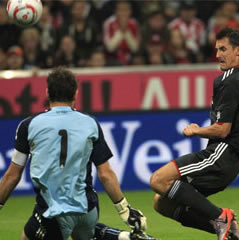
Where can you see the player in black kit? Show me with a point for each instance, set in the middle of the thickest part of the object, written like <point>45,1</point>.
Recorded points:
<point>183,184</point>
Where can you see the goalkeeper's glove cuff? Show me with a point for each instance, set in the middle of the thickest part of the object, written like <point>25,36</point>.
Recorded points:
<point>122,206</point>
<point>132,217</point>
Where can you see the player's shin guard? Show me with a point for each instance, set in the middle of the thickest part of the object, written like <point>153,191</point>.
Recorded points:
<point>190,218</point>
<point>184,194</point>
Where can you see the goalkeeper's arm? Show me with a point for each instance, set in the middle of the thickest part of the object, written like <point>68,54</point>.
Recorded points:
<point>12,176</point>
<point>132,217</point>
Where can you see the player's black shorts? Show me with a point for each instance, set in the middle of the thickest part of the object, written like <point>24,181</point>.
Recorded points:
<point>40,228</point>
<point>210,170</point>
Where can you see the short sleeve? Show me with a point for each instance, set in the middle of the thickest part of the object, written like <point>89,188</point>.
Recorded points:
<point>229,104</point>
<point>101,151</point>
<point>21,138</point>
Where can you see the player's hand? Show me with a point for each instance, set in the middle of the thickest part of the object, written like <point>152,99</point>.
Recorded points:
<point>190,130</point>
<point>132,217</point>
<point>136,219</point>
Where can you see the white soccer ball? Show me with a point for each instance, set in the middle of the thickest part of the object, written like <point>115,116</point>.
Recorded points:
<point>24,12</point>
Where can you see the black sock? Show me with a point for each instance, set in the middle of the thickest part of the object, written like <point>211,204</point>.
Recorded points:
<point>104,232</point>
<point>184,194</point>
<point>188,217</point>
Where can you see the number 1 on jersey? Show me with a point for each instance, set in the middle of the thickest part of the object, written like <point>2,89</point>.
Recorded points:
<point>63,155</point>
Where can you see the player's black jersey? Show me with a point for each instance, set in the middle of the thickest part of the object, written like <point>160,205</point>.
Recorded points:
<point>225,105</point>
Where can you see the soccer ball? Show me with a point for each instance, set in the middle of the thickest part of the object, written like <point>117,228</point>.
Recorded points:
<point>24,12</point>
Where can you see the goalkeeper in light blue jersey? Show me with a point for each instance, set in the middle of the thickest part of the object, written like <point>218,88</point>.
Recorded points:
<point>63,143</point>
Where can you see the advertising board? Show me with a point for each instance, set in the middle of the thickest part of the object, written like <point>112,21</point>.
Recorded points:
<point>115,91</point>
<point>141,142</point>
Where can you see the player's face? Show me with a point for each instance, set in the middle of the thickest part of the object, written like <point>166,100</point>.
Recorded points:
<point>227,56</point>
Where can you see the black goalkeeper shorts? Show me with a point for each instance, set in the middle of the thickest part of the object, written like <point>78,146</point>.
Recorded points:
<point>210,170</point>
<point>39,227</point>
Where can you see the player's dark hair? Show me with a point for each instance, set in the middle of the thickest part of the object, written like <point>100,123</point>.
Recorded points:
<point>231,33</point>
<point>117,3</point>
<point>62,85</point>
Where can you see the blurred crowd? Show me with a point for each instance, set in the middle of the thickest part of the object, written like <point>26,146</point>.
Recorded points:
<point>98,33</point>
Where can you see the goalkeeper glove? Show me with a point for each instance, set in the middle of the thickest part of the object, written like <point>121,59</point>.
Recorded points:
<point>132,217</point>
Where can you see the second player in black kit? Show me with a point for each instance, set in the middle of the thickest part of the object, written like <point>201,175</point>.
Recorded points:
<point>182,185</point>
<point>225,105</point>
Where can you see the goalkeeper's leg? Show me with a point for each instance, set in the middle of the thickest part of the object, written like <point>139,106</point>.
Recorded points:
<point>104,232</point>
<point>186,216</point>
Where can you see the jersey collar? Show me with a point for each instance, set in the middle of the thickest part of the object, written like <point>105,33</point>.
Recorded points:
<point>61,108</point>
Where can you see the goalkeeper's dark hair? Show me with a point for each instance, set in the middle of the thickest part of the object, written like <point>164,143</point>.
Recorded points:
<point>231,33</point>
<point>62,85</point>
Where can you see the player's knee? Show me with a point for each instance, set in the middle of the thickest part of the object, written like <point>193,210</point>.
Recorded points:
<point>156,202</point>
<point>157,183</point>
<point>162,179</point>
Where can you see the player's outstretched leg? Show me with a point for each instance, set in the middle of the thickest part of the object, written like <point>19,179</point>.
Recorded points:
<point>104,232</point>
<point>140,235</point>
<point>188,217</point>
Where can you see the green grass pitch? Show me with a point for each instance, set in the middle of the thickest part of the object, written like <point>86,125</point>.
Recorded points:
<point>17,210</point>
